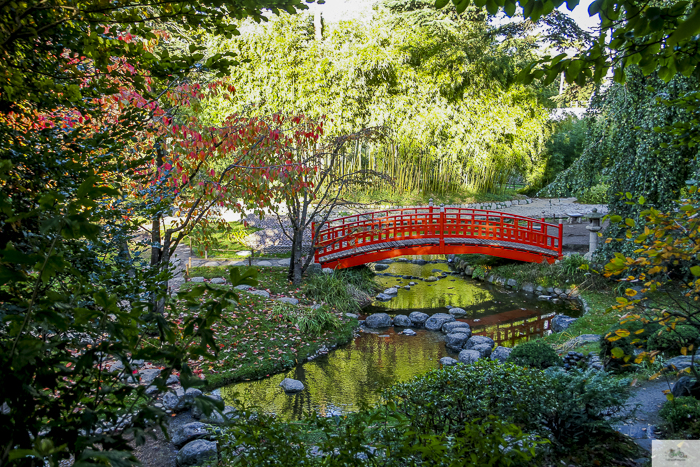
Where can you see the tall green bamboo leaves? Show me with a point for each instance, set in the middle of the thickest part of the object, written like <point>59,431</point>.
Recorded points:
<point>458,120</point>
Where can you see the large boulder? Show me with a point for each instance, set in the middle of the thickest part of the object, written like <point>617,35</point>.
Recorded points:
<point>478,340</point>
<point>682,362</point>
<point>198,452</point>
<point>147,376</point>
<point>435,322</point>
<point>196,413</point>
<point>418,318</point>
<point>292,385</point>
<point>469,356</point>
<point>378,320</point>
<point>457,326</point>
<point>190,432</point>
<point>402,320</point>
<point>683,387</point>
<point>561,322</point>
<point>458,312</point>
<point>501,353</point>
<point>382,297</point>
<point>483,349</point>
<point>528,287</point>
<point>456,340</point>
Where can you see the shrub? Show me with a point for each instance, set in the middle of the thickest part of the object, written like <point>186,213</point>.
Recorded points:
<point>628,335</point>
<point>535,354</point>
<point>444,400</point>
<point>308,320</point>
<point>673,340</point>
<point>682,415</point>
<point>597,194</point>
<point>585,404</point>
<point>377,437</point>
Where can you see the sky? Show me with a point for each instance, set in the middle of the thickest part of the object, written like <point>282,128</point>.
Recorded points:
<point>335,10</point>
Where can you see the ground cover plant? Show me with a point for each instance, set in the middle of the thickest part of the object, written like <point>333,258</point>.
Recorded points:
<point>681,417</point>
<point>535,354</point>
<point>259,336</point>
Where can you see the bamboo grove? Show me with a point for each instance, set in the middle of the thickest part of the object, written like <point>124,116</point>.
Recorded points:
<point>443,85</point>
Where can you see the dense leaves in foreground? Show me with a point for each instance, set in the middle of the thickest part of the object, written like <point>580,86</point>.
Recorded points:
<point>481,414</point>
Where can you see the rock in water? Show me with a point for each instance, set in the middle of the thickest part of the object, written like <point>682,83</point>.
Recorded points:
<point>382,297</point>
<point>483,349</point>
<point>190,432</point>
<point>478,340</point>
<point>292,385</point>
<point>378,320</point>
<point>435,322</point>
<point>431,279</point>
<point>457,326</point>
<point>561,322</point>
<point>448,361</point>
<point>402,320</point>
<point>198,452</point>
<point>469,356</point>
<point>456,341</point>
<point>391,291</point>
<point>409,332</point>
<point>501,353</point>
<point>458,312</point>
<point>418,318</point>
<point>381,267</point>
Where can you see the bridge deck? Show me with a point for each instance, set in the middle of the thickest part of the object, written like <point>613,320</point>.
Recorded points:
<point>368,237</point>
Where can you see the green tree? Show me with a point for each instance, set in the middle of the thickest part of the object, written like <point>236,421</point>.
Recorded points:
<point>70,295</point>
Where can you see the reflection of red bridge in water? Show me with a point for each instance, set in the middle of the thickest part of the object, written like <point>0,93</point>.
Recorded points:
<point>510,327</point>
<point>373,236</point>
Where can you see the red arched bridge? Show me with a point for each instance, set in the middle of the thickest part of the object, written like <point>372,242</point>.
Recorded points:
<point>373,236</point>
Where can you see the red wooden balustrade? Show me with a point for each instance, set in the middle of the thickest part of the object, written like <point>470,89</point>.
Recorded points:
<point>363,238</point>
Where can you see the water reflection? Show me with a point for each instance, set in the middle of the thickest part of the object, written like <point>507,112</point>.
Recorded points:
<point>353,376</point>
<point>348,378</point>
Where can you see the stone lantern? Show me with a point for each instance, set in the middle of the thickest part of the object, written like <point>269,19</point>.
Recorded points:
<point>593,227</point>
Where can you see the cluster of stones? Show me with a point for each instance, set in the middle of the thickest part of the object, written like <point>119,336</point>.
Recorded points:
<point>196,441</point>
<point>543,293</point>
<point>458,335</point>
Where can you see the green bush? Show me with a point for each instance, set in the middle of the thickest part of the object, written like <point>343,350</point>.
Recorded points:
<point>308,320</point>
<point>597,194</point>
<point>673,340</point>
<point>682,416</point>
<point>535,354</point>
<point>377,437</point>
<point>585,403</point>
<point>628,335</point>
<point>444,400</point>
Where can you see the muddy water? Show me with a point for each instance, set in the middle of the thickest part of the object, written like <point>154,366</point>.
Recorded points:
<point>353,376</point>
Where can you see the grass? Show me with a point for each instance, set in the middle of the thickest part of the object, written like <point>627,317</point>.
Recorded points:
<point>255,340</point>
<point>260,336</point>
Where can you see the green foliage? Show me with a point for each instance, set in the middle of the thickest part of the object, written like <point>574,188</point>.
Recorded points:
<point>563,147</point>
<point>342,290</point>
<point>444,400</point>
<point>682,416</point>
<point>308,320</point>
<point>626,336</point>
<point>534,354</point>
<point>443,84</point>
<point>571,265</point>
<point>597,194</point>
<point>371,438</point>
<point>673,340</point>
<point>586,404</point>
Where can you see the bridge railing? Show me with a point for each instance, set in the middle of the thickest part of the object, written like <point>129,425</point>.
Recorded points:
<point>434,225</point>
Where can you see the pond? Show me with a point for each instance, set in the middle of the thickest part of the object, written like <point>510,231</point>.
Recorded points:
<point>354,375</point>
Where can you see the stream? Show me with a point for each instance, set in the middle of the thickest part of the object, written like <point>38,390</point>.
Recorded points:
<point>354,375</point>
